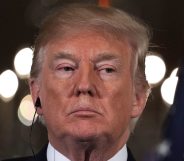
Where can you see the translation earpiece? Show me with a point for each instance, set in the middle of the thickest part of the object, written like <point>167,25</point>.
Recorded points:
<point>38,103</point>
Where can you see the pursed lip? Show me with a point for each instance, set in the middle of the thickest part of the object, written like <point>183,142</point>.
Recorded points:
<point>84,111</point>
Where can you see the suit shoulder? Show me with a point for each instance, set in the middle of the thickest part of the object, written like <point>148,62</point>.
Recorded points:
<point>20,159</point>
<point>41,156</point>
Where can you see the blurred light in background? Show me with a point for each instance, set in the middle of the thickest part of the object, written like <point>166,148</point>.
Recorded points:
<point>168,87</point>
<point>26,111</point>
<point>163,149</point>
<point>174,73</point>
<point>23,62</point>
<point>8,85</point>
<point>155,69</point>
<point>155,72</point>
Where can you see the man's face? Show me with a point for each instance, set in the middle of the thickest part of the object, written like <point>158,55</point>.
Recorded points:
<point>86,87</point>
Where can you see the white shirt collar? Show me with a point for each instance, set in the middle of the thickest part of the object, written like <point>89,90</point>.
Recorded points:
<point>54,155</point>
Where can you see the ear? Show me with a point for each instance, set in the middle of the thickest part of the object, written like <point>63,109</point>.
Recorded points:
<point>139,102</point>
<point>35,91</point>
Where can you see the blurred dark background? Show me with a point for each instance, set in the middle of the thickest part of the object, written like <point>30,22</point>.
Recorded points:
<point>19,21</point>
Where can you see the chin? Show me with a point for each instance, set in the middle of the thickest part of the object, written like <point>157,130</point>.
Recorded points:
<point>86,130</point>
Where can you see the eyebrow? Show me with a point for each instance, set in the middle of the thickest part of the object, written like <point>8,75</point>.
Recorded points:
<point>106,56</point>
<point>100,57</point>
<point>65,55</point>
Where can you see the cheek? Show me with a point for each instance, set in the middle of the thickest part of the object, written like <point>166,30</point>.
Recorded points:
<point>119,100</point>
<point>120,114</point>
<point>53,104</point>
<point>121,104</point>
<point>52,94</point>
<point>120,93</point>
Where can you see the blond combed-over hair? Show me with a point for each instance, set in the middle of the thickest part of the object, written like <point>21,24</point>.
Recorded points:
<point>113,22</point>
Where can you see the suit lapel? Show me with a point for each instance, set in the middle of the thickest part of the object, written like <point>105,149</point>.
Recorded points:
<point>42,155</point>
<point>130,156</point>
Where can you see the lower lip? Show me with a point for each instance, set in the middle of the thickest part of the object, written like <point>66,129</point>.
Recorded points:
<point>84,113</point>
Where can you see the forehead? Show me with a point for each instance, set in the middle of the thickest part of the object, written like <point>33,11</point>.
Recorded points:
<point>89,44</point>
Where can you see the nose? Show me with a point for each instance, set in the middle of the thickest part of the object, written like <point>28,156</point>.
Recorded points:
<point>87,83</point>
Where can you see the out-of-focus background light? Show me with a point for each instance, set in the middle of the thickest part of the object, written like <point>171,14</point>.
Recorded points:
<point>26,111</point>
<point>163,149</point>
<point>27,15</point>
<point>23,62</point>
<point>168,87</point>
<point>8,85</point>
<point>155,69</point>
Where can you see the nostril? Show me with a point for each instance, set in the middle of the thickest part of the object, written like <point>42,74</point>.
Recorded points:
<point>90,93</point>
<point>78,93</point>
<point>84,92</point>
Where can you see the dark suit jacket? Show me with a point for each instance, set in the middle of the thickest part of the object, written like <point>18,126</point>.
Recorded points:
<point>41,156</point>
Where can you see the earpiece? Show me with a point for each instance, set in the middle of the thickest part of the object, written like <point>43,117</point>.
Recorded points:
<point>38,103</point>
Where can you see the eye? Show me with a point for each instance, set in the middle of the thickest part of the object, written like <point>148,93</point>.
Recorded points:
<point>65,70</point>
<point>106,69</point>
<point>109,70</point>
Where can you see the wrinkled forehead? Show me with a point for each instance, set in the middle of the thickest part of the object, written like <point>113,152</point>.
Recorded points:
<point>90,39</point>
<point>88,33</point>
<point>64,30</point>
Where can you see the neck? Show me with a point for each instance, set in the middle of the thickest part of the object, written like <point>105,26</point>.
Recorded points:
<point>91,149</point>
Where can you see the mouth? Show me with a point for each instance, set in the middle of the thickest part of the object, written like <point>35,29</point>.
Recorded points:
<point>84,112</point>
